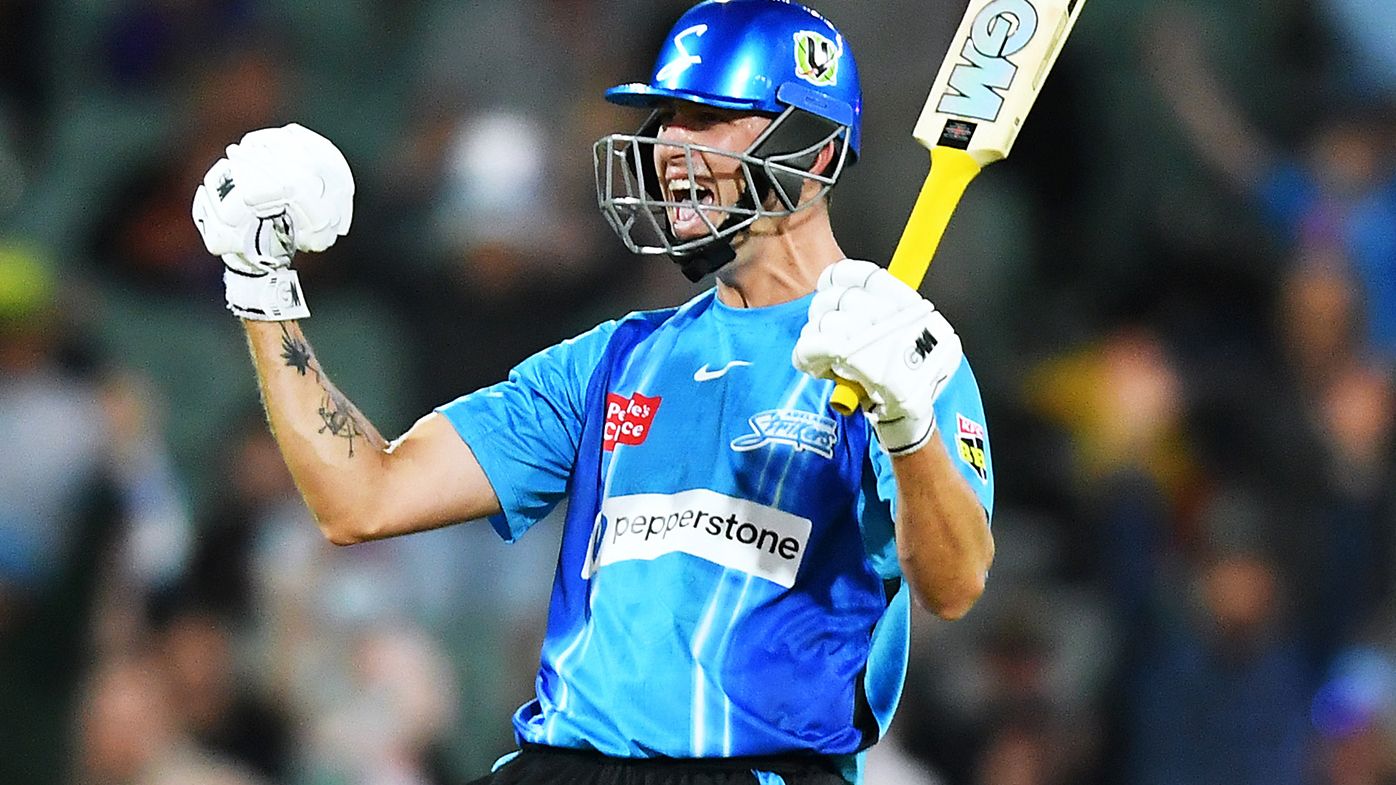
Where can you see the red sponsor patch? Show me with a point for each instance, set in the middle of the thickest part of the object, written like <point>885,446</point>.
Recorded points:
<point>628,420</point>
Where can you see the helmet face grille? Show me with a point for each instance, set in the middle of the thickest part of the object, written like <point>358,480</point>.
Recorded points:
<point>634,201</point>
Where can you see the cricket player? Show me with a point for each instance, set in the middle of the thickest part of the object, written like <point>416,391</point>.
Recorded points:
<point>732,597</point>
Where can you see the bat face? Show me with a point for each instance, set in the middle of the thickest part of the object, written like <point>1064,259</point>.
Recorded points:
<point>987,83</point>
<point>997,62</point>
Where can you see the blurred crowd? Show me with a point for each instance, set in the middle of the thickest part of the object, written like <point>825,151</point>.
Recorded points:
<point>1179,297</point>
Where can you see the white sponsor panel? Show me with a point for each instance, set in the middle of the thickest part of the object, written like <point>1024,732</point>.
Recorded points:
<point>743,535</point>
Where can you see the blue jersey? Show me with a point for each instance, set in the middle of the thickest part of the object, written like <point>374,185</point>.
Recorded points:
<point>728,582</point>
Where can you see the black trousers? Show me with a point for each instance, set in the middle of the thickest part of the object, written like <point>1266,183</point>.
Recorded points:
<point>537,765</point>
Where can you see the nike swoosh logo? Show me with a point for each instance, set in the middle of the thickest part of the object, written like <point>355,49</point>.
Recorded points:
<point>705,375</point>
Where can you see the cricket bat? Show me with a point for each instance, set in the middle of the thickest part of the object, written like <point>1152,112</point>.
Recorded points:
<point>987,83</point>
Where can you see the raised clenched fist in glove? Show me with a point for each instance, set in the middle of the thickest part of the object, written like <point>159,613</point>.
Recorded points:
<point>867,327</point>
<point>278,191</point>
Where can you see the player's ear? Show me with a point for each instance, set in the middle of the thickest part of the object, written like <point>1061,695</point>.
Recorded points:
<point>823,164</point>
<point>823,161</point>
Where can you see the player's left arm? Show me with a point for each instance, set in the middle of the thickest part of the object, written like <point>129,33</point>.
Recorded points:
<point>943,539</point>
<point>868,327</point>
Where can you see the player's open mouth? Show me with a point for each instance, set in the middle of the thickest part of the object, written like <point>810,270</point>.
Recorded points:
<point>685,219</point>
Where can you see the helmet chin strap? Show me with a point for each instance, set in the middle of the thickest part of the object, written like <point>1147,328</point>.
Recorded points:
<point>704,260</point>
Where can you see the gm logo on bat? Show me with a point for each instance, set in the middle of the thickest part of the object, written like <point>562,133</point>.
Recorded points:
<point>1000,30</point>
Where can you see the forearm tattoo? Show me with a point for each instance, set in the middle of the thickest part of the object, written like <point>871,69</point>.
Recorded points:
<point>340,418</point>
<point>296,352</point>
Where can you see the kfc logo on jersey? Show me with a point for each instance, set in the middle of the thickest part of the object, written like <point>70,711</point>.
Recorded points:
<point>971,441</point>
<point>628,420</point>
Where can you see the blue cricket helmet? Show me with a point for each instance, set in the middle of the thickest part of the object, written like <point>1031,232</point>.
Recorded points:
<point>755,55</point>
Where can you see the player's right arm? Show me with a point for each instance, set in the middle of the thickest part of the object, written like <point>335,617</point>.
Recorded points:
<point>359,485</point>
<point>280,190</point>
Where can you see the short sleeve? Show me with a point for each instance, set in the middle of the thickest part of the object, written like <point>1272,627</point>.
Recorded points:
<point>965,434</point>
<point>962,430</point>
<point>525,431</point>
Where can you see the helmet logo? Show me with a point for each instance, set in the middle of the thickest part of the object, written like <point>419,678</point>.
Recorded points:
<point>684,60</point>
<point>817,58</point>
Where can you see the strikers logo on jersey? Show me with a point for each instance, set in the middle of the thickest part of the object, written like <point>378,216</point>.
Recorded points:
<point>971,441</point>
<point>792,427</point>
<point>628,420</point>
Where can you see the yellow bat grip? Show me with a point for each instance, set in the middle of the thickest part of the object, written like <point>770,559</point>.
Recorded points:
<point>951,172</point>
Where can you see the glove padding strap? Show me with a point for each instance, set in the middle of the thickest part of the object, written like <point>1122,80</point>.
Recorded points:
<point>867,327</point>
<point>269,297</point>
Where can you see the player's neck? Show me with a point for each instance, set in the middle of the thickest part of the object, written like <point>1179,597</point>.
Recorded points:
<point>779,261</point>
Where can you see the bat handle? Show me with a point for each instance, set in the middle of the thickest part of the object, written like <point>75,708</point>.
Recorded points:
<point>951,172</point>
<point>846,397</point>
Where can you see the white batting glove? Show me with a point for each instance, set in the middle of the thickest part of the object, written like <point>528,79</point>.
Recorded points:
<point>279,190</point>
<point>867,327</point>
